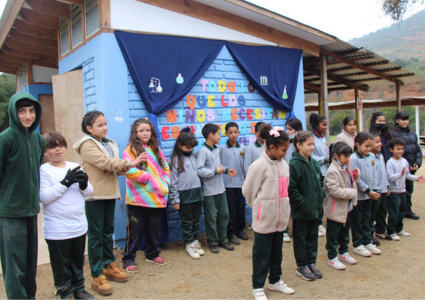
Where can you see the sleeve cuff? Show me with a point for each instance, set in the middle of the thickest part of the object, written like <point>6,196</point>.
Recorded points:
<point>226,171</point>
<point>368,191</point>
<point>215,172</point>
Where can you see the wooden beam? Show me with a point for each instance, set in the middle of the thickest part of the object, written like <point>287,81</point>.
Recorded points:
<point>35,30</point>
<point>24,56</point>
<point>44,63</point>
<point>40,19</point>
<point>357,65</point>
<point>8,57</point>
<point>8,68</point>
<point>358,111</point>
<point>50,7</point>
<point>105,13</point>
<point>30,47</point>
<point>12,64</point>
<point>9,21</point>
<point>324,91</point>
<point>79,2</point>
<point>398,94</point>
<point>29,73</point>
<point>339,79</point>
<point>31,39</point>
<point>213,15</point>
<point>312,87</point>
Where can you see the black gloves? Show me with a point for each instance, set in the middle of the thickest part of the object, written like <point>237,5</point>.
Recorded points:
<point>82,180</point>
<point>75,176</point>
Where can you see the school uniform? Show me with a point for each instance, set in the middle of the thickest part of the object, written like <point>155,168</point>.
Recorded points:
<point>233,158</point>
<point>379,207</point>
<point>397,207</point>
<point>341,196</point>
<point>306,199</point>
<point>216,210</point>
<point>252,153</point>
<point>291,149</point>
<point>362,213</point>
<point>185,188</point>
<point>266,190</point>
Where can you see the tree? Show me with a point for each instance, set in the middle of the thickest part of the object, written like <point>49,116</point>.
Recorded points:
<point>7,89</point>
<point>396,9</point>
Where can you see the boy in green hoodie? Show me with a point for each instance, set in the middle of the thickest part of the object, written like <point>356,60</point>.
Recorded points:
<point>21,154</point>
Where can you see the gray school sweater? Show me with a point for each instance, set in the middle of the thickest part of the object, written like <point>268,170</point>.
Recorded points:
<point>381,183</point>
<point>289,152</point>
<point>185,185</point>
<point>367,177</point>
<point>252,153</point>
<point>207,162</point>
<point>321,152</point>
<point>233,158</point>
<point>396,180</point>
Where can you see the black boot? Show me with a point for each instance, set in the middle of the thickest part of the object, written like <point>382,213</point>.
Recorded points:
<point>83,295</point>
<point>411,215</point>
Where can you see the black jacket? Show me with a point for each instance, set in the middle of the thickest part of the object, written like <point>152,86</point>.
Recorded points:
<point>412,151</point>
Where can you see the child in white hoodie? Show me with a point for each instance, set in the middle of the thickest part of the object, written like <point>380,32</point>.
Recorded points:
<point>270,210</point>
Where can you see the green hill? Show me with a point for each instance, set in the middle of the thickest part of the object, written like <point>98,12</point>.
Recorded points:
<point>404,40</point>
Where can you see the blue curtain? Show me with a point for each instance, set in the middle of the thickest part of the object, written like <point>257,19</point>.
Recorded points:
<point>273,71</point>
<point>165,68</point>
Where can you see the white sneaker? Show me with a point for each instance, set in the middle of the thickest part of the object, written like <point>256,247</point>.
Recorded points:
<point>362,251</point>
<point>199,248</point>
<point>322,230</point>
<point>403,233</point>
<point>373,249</point>
<point>286,238</point>
<point>191,250</point>
<point>336,264</point>
<point>259,294</point>
<point>347,258</point>
<point>395,237</point>
<point>282,287</point>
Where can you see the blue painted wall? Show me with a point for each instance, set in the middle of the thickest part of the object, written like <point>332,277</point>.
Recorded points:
<point>108,87</point>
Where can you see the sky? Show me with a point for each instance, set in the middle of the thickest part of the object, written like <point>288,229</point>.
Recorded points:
<point>345,19</point>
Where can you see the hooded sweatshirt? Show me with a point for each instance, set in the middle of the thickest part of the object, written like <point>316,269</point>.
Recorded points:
<point>306,192</point>
<point>346,137</point>
<point>21,155</point>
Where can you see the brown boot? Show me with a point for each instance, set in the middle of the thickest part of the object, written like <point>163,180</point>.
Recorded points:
<point>115,273</point>
<point>101,285</point>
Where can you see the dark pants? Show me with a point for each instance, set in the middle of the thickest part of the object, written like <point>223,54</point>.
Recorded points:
<point>266,256</point>
<point>190,215</point>
<point>337,234</point>
<point>142,220</point>
<point>67,262</point>
<point>236,203</point>
<point>374,211</point>
<point>321,215</point>
<point>396,212</point>
<point>380,221</point>
<point>216,214</point>
<point>18,249</point>
<point>409,192</point>
<point>100,219</point>
<point>360,223</point>
<point>304,237</point>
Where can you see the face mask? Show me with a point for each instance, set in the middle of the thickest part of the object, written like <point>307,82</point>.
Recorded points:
<point>342,167</point>
<point>381,126</point>
<point>291,137</point>
<point>187,153</point>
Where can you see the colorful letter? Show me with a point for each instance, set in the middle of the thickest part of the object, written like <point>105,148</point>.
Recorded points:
<point>200,115</point>
<point>212,86</point>
<point>231,87</point>
<point>191,102</point>
<point>249,112</point>
<point>204,83</point>
<point>257,113</point>
<point>175,131</point>
<point>233,101</point>
<point>221,86</point>
<point>172,116</point>
<point>223,103</point>
<point>226,115</point>
<point>211,101</point>
<point>241,101</point>
<point>190,116</point>
<point>282,114</point>
<point>243,88</point>
<point>164,133</point>
<point>241,112</point>
<point>251,89</point>
<point>234,113</point>
<point>210,115</point>
<point>202,102</point>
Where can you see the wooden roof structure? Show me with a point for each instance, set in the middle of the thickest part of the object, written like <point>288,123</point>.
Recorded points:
<point>29,35</point>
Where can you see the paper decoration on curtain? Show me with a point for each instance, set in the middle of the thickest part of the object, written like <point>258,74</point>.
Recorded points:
<point>273,71</point>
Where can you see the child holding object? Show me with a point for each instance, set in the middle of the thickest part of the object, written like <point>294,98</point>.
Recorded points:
<point>266,189</point>
<point>186,192</point>
<point>63,186</point>
<point>341,196</point>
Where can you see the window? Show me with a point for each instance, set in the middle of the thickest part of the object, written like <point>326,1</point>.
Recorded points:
<point>91,8</point>
<point>18,77</point>
<point>64,39</point>
<point>76,25</point>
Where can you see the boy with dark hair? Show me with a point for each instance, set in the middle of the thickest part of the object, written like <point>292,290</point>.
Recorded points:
<point>253,151</point>
<point>21,154</point>
<point>398,172</point>
<point>210,169</point>
<point>231,155</point>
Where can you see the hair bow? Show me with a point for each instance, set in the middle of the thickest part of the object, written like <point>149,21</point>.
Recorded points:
<point>185,129</point>
<point>275,131</point>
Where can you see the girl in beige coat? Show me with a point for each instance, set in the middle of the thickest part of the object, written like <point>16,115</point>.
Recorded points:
<point>349,125</point>
<point>266,190</point>
<point>341,197</point>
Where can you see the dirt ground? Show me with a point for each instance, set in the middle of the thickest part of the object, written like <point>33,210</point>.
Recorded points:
<point>393,275</point>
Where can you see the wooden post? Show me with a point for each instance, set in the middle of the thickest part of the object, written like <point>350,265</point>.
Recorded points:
<point>417,119</point>
<point>319,103</point>
<point>398,94</point>
<point>324,90</point>
<point>358,111</point>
